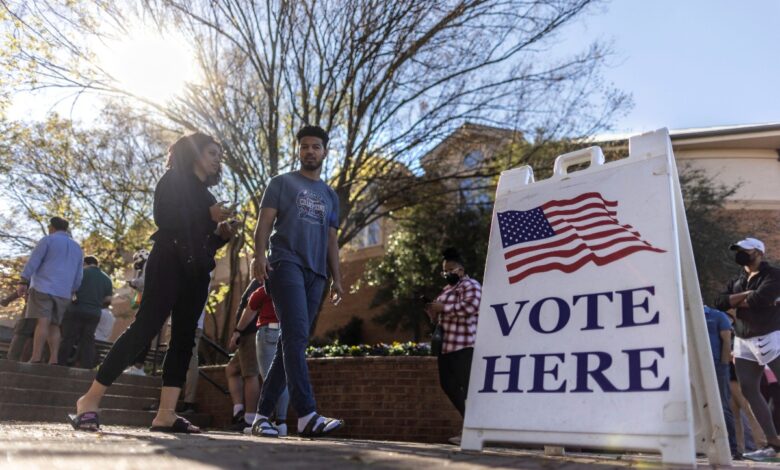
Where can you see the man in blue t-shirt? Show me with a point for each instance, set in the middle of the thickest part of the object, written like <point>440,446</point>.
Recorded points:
<point>300,215</point>
<point>719,331</point>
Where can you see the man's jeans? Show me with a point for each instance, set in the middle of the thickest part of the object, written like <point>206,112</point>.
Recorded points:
<point>722,373</point>
<point>266,341</point>
<point>296,293</point>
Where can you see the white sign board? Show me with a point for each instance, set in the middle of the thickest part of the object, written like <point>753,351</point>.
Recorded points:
<point>584,328</point>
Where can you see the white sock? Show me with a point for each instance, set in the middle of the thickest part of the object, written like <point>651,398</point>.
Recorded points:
<point>258,417</point>
<point>304,420</point>
<point>266,428</point>
<point>250,418</point>
<point>237,409</point>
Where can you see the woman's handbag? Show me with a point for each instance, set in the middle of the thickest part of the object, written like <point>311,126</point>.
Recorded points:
<point>437,340</point>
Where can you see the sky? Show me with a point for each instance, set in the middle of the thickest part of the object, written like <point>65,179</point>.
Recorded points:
<point>690,63</point>
<point>686,63</point>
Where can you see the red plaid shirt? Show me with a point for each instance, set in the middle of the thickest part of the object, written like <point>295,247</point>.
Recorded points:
<point>461,310</point>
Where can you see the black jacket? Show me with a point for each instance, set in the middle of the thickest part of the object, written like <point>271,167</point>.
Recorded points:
<point>761,316</point>
<point>181,212</point>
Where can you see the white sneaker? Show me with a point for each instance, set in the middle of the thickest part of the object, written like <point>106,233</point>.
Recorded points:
<point>133,370</point>
<point>282,428</point>
<point>761,454</point>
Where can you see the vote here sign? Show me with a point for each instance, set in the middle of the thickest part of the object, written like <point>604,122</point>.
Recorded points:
<point>581,336</point>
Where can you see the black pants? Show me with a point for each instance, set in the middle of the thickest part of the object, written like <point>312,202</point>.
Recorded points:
<point>78,329</point>
<point>750,374</point>
<point>140,358</point>
<point>167,291</point>
<point>454,372</point>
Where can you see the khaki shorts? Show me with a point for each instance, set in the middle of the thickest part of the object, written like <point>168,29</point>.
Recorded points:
<point>246,357</point>
<point>40,305</point>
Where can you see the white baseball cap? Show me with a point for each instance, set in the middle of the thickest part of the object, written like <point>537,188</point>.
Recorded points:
<point>749,244</point>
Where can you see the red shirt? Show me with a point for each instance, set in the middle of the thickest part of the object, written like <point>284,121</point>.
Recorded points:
<point>461,311</point>
<point>260,300</point>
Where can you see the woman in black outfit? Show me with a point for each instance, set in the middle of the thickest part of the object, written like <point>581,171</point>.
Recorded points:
<point>192,226</point>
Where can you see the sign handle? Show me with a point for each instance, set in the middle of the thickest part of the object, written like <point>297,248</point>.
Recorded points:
<point>592,155</point>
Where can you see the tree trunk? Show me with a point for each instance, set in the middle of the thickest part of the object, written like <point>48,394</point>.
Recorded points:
<point>235,280</point>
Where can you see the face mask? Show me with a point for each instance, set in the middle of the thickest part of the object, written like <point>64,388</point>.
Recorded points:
<point>742,258</point>
<point>452,279</point>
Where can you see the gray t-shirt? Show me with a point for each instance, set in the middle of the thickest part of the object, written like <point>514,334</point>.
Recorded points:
<point>307,210</point>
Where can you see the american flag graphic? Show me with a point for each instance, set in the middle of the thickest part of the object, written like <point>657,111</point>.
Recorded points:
<point>565,235</point>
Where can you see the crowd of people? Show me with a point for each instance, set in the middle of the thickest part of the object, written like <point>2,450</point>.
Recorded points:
<point>67,299</point>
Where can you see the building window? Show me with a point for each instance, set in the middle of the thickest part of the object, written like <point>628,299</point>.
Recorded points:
<point>370,235</point>
<point>473,159</point>
<point>473,190</point>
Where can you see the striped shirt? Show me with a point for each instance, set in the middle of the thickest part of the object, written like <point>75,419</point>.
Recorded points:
<point>461,310</point>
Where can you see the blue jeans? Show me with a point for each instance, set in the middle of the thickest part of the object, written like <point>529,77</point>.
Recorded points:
<point>722,373</point>
<point>296,293</point>
<point>266,341</point>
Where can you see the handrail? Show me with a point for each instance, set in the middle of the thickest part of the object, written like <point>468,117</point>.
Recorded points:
<point>215,346</point>
<point>210,342</point>
<point>212,382</point>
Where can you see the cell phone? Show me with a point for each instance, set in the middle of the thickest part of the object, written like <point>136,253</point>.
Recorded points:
<point>229,206</point>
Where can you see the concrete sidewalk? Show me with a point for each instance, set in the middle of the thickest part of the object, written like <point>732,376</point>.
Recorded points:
<point>57,446</point>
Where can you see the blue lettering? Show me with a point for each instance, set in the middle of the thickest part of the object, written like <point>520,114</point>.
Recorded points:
<point>503,322</point>
<point>593,309</point>
<point>635,370</point>
<point>564,313</point>
<point>513,373</point>
<point>540,371</point>
<point>628,306</point>
<point>583,371</point>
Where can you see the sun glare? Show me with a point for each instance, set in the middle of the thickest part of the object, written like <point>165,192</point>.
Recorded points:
<point>150,65</point>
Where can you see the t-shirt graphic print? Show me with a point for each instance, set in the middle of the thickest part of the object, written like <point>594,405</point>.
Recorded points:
<point>311,207</point>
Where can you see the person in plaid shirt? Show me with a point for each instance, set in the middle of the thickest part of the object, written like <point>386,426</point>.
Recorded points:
<point>456,309</point>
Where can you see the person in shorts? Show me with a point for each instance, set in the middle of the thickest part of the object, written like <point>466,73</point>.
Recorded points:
<point>243,370</point>
<point>752,295</point>
<point>24,329</point>
<point>260,311</point>
<point>49,279</point>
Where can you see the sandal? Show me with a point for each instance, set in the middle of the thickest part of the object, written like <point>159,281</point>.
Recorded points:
<point>180,426</point>
<point>269,430</point>
<point>87,421</point>
<point>321,429</point>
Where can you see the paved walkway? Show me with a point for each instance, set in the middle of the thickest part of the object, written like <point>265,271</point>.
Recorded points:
<point>57,446</point>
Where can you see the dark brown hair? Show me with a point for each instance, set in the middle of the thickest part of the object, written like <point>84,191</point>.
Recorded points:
<point>183,153</point>
<point>59,224</point>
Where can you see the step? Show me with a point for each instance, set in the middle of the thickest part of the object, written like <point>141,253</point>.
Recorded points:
<point>37,382</point>
<point>14,412</point>
<point>38,397</point>
<point>46,370</point>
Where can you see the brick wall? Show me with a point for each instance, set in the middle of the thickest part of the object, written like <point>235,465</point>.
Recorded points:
<point>387,398</point>
<point>762,224</point>
<point>357,304</point>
